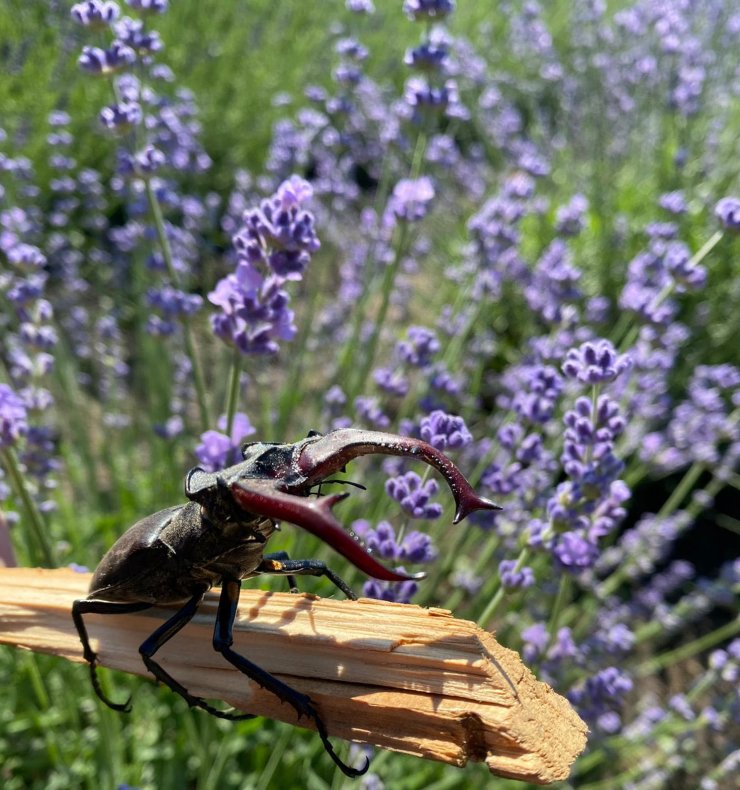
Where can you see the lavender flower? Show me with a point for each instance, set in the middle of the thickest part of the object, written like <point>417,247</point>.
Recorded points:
<point>122,116</point>
<point>13,417</point>
<point>131,33</point>
<point>570,219</point>
<point>252,319</point>
<point>149,6</point>
<point>445,431</point>
<point>595,363</point>
<point>414,547</point>
<point>175,304</point>
<point>673,202</point>
<point>274,245</point>
<point>414,495</point>
<point>419,347</point>
<point>369,410</point>
<point>513,578</point>
<point>95,14</point>
<point>279,234</point>
<point>410,199</point>
<point>360,6</point>
<point>600,699</point>
<point>420,10</point>
<point>99,61</point>
<point>218,450</point>
<point>727,212</point>
<point>382,540</point>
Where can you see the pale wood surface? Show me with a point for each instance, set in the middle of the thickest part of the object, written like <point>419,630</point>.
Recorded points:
<point>396,676</point>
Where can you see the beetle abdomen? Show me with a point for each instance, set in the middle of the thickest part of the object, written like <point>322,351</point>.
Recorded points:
<point>132,568</point>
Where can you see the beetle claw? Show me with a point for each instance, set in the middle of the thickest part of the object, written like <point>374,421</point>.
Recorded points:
<point>314,515</point>
<point>324,455</point>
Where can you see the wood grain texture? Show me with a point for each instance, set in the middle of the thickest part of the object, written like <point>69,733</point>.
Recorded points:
<point>397,676</point>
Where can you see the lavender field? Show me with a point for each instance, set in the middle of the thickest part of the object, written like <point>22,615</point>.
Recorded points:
<point>510,229</point>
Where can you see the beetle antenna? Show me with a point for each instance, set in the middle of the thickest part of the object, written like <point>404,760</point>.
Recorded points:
<point>352,483</point>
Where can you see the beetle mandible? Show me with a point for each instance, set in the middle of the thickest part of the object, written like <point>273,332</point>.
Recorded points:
<point>218,538</point>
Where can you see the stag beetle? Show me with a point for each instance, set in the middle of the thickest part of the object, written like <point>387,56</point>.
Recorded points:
<point>218,538</point>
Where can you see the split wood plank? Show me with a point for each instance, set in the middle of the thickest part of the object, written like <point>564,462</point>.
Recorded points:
<point>397,676</point>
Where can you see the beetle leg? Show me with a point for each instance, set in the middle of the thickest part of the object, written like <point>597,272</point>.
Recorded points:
<point>279,563</point>
<point>223,638</point>
<point>275,559</point>
<point>163,635</point>
<point>92,606</point>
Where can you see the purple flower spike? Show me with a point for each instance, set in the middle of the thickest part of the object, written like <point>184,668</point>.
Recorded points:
<point>414,495</point>
<point>443,430</point>
<point>131,33</point>
<point>119,117</point>
<point>13,423</point>
<point>419,347</point>
<point>148,6</point>
<point>727,212</point>
<point>513,579</point>
<point>106,61</point>
<point>217,450</point>
<point>595,363</point>
<point>95,13</point>
<point>411,198</point>
<point>420,10</point>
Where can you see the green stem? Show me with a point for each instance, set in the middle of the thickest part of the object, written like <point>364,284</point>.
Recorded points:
<point>233,397</point>
<point>33,514</point>
<point>557,610</point>
<point>494,603</point>
<point>389,278</point>
<point>164,244</point>
<point>690,649</point>
<point>682,489</point>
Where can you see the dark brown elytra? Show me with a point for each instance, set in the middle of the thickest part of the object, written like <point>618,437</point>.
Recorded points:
<point>218,538</point>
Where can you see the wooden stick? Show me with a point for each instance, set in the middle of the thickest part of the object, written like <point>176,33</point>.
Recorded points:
<point>396,676</point>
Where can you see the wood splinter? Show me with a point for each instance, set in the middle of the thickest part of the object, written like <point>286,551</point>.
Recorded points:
<point>396,676</point>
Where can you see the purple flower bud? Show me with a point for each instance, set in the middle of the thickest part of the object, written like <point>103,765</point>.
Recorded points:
<point>394,592</point>
<point>360,6</point>
<point>444,431</point>
<point>428,56</point>
<point>119,117</point>
<point>570,219</point>
<point>414,495</point>
<point>368,409</point>
<point>574,552</point>
<point>419,348</point>
<point>411,198</point>
<point>13,423</point>
<point>391,381</point>
<point>106,61</point>
<point>513,579</point>
<point>595,363</point>
<point>131,33</point>
<point>673,202</point>
<point>535,639</point>
<point>148,6</point>
<point>418,547</point>
<point>217,450</point>
<point>727,212</point>
<point>420,10</point>
<point>95,13</point>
